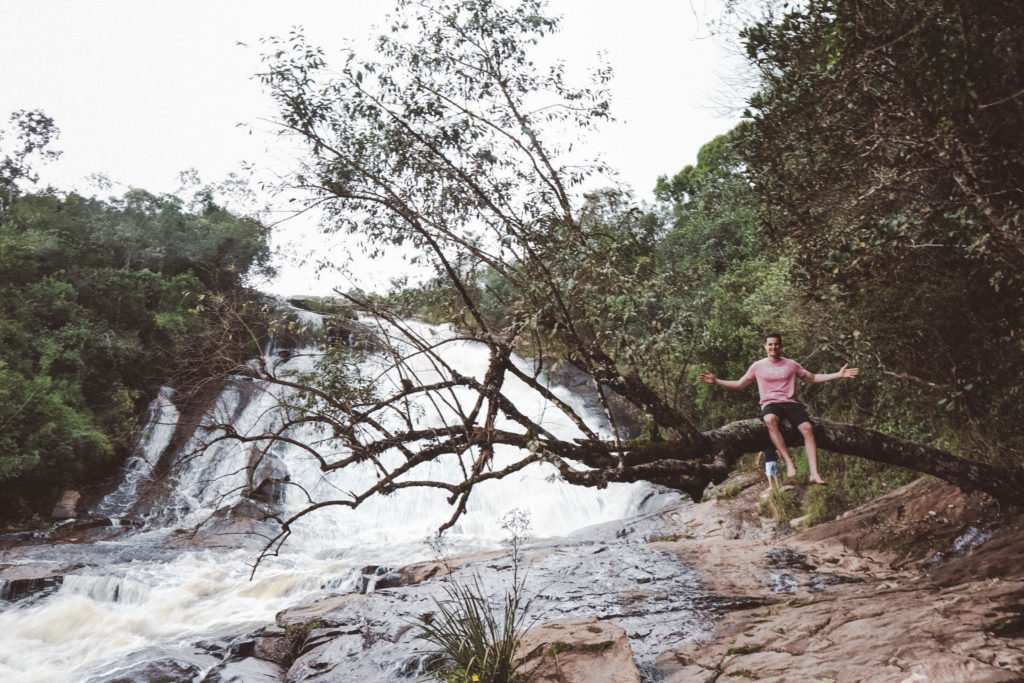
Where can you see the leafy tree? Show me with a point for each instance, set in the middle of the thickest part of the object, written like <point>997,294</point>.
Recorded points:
<point>884,145</point>
<point>101,302</point>
<point>33,131</point>
<point>46,444</point>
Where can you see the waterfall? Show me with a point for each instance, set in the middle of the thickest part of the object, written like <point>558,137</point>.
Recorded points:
<point>149,590</point>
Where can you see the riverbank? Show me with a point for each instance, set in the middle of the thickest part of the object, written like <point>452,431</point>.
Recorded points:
<point>924,584</point>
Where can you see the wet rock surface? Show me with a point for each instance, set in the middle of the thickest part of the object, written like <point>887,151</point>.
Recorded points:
<point>246,670</point>
<point>713,592</point>
<point>861,598</point>
<point>926,584</point>
<point>20,581</point>
<point>161,670</point>
<point>608,577</point>
<point>66,506</point>
<point>585,650</point>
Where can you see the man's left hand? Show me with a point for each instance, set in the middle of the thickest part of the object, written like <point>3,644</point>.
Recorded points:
<point>848,372</point>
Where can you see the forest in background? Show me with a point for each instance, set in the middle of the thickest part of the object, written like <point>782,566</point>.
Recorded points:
<point>102,301</point>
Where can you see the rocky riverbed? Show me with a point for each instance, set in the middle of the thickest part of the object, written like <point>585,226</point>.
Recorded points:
<point>925,584</point>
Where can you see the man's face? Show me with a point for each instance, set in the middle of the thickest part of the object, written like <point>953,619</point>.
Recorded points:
<point>773,345</point>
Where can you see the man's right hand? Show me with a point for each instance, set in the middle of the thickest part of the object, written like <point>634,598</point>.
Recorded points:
<point>707,377</point>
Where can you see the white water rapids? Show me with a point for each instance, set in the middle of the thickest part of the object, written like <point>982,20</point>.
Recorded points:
<point>134,597</point>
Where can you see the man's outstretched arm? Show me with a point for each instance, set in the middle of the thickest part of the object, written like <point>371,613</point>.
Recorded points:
<point>844,373</point>
<point>708,378</point>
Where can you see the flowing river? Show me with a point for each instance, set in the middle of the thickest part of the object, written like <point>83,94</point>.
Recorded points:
<point>133,595</point>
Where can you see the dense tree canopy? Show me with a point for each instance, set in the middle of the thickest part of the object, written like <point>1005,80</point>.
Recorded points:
<point>884,145</point>
<point>99,301</point>
<point>28,137</point>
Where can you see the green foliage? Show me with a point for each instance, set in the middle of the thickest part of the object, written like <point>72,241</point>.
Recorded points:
<point>883,146</point>
<point>99,302</point>
<point>44,442</point>
<point>472,637</point>
<point>781,505</point>
<point>340,374</point>
<point>730,490</point>
<point>557,648</point>
<point>434,301</point>
<point>823,504</point>
<point>33,132</point>
<point>852,481</point>
<point>715,162</point>
<point>867,209</point>
<point>295,636</point>
<point>598,648</point>
<point>327,305</point>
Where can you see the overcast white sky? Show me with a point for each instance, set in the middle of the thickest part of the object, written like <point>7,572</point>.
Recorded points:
<point>144,90</point>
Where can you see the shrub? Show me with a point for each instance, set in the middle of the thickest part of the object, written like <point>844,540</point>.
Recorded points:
<point>295,636</point>
<point>852,481</point>
<point>730,490</point>
<point>473,638</point>
<point>780,505</point>
<point>474,641</point>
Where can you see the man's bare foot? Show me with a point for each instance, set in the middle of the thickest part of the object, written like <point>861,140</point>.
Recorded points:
<point>790,471</point>
<point>818,482</point>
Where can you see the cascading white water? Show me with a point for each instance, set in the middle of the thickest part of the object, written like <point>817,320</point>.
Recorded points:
<point>156,436</point>
<point>135,595</point>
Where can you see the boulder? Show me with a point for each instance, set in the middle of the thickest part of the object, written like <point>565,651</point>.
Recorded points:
<point>164,669</point>
<point>246,670</point>
<point>272,649</point>
<point>67,506</point>
<point>421,571</point>
<point>586,651</point>
<point>317,611</point>
<point>269,491</point>
<point>374,578</point>
<point>673,667</point>
<point>19,581</point>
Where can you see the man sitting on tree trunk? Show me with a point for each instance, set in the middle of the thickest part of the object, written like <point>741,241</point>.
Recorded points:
<point>776,383</point>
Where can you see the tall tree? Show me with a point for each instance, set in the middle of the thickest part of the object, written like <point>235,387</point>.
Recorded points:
<point>33,132</point>
<point>101,302</point>
<point>456,142</point>
<point>885,143</point>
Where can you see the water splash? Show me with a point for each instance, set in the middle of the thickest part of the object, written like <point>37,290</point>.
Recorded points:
<point>138,592</point>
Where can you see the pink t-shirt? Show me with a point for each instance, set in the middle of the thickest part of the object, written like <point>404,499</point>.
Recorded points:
<point>776,381</point>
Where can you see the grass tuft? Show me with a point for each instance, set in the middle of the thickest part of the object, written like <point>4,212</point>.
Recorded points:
<point>474,639</point>
<point>780,505</point>
<point>477,642</point>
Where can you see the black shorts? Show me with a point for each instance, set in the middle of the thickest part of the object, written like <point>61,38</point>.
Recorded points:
<point>794,413</point>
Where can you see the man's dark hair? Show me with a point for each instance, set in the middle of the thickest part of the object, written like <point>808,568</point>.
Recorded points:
<point>773,334</point>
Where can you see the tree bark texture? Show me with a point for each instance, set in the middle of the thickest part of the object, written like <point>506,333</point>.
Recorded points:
<point>690,465</point>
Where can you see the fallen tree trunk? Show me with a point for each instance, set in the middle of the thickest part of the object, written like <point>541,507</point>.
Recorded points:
<point>692,464</point>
